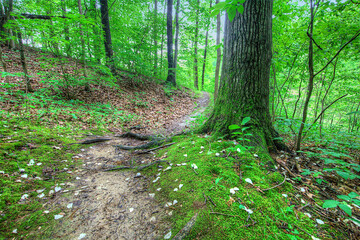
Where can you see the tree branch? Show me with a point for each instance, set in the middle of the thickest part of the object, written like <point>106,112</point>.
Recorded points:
<point>34,16</point>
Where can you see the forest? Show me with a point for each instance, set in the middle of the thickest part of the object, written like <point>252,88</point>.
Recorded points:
<point>173,119</point>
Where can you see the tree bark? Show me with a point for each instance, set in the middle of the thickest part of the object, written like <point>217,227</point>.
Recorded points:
<point>107,33</point>
<point>218,58</point>
<point>23,64</point>
<point>206,44</point>
<point>196,76</point>
<point>244,87</point>
<point>176,35</point>
<point>171,73</point>
<point>66,31</point>
<point>162,44</point>
<point>311,78</point>
<point>3,63</point>
<point>5,16</point>
<point>87,87</point>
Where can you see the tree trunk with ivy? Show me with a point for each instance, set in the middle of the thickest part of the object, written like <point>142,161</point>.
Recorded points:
<point>244,86</point>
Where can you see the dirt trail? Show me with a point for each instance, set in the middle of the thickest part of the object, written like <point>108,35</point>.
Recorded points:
<point>118,204</point>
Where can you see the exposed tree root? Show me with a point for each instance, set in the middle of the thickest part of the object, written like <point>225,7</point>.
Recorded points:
<point>96,140</point>
<point>186,229</point>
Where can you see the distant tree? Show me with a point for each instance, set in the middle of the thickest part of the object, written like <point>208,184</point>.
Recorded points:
<point>244,86</point>
<point>107,33</point>
<point>177,35</point>
<point>171,72</point>
<point>205,52</point>
<point>218,57</point>
<point>196,75</point>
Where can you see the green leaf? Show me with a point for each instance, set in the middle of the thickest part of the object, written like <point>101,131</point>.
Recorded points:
<point>330,204</point>
<point>231,13</point>
<point>344,197</point>
<point>220,5</point>
<point>245,128</point>
<point>215,13</point>
<point>233,127</point>
<point>344,175</point>
<point>245,120</point>
<point>345,208</point>
<point>240,9</point>
<point>353,195</point>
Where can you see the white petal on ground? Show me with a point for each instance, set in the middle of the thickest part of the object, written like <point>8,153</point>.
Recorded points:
<point>319,221</point>
<point>217,154</point>
<point>178,165</point>
<point>302,201</point>
<point>58,216</point>
<point>70,205</point>
<point>194,166</point>
<point>201,152</point>
<point>170,213</point>
<point>77,178</point>
<point>57,189</point>
<point>315,238</point>
<point>302,189</point>
<point>152,195</point>
<point>156,179</point>
<point>176,180</point>
<point>248,210</point>
<point>51,192</point>
<point>81,236</point>
<point>138,174</point>
<point>25,196</point>
<point>181,185</point>
<point>158,174</point>
<point>127,179</point>
<point>248,180</point>
<point>176,189</point>
<point>185,155</point>
<point>238,150</point>
<point>31,162</point>
<point>166,169</point>
<point>46,211</point>
<point>41,195</point>
<point>39,164</point>
<point>308,214</point>
<point>168,235</point>
<point>284,195</point>
<point>255,155</point>
<point>158,189</point>
<point>14,231</point>
<point>236,189</point>
<point>21,170</point>
<point>168,204</point>
<point>131,209</point>
<point>40,190</point>
<point>2,172</point>
<point>202,147</point>
<point>175,202</point>
<point>24,176</point>
<point>38,178</point>
<point>184,164</point>
<point>232,191</point>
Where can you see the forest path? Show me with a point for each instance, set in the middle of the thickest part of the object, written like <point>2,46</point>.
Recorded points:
<point>116,204</point>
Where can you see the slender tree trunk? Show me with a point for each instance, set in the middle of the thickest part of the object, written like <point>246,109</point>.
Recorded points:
<point>162,44</point>
<point>196,77</point>
<point>8,8</point>
<point>83,57</point>
<point>176,35</point>
<point>3,63</point>
<point>107,33</point>
<point>97,37</point>
<point>311,79</point>
<point>244,87</point>
<point>218,58</point>
<point>155,38</point>
<point>171,73</point>
<point>66,31</point>
<point>206,45</point>
<point>23,64</point>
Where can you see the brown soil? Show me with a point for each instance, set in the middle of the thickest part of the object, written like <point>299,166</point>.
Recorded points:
<point>117,204</point>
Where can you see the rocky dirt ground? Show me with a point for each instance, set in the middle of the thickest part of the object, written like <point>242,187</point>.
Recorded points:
<point>114,204</point>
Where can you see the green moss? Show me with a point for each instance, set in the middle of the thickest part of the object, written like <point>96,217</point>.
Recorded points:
<point>271,211</point>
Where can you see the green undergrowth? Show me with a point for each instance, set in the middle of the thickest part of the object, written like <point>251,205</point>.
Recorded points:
<point>34,160</point>
<point>273,214</point>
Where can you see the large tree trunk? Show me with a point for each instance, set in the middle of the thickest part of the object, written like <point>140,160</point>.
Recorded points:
<point>205,51</point>
<point>196,77</point>
<point>218,59</point>
<point>162,44</point>
<point>244,87</point>
<point>107,33</point>
<point>5,11</point>
<point>176,35</point>
<point>83,59</point>
<point>171,73</point>
<point>23,64</point>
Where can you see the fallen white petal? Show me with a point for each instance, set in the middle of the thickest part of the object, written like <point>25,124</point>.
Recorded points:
<point>238,150</point>
<point>232,191</point>
<point>166,169</point>
<point>217,154</point>
<point>41,195</point>
<point>70,205</point>
<point>152,195</point>
<point>39,164</point>
<point>2,172</point>
<point>138,174</point>
<point>57,189</point>
<point>175,202</point>
<point>194,166</point>
<point>236,189</point>
<point>77,178</point>
<point>201,152</point>
<point>168,235</point>
<point>51,192</point>
<point>156,179</point>
<point>315,238</point>
<point>81,236</point>
<point>302,201</point>
<point>31,162</point>
<point>248,210</point>
<point>181,185</point>
<point>25,196</point>
<point>319,221</point>
<point>184,164</point>
<point>176,189</point>
<point>40,190</point>
<point>127,179</point>
<point>131,209</point>
<point>185,155</point>
<point>58,216</point>
<point>308,214</point>
<point>170,213</point>
<point>284,195</point>
<point>14,231</point>
<point>302,189</point>
<point>248,180</point>
<point>46,211</point>
<point>24,176</point>
<point>158,189</point>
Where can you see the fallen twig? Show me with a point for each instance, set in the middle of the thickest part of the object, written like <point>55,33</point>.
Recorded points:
<point>212,201</point>
<point>139,168</point>
<point>276,185</point>
<point>186,229</point>
<point>287,169</point>
<point>90,141</point>
<point>153,149</point>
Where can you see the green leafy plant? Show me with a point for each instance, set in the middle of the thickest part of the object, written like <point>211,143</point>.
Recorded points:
<point>351,198</point>
<point>241,135</point>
